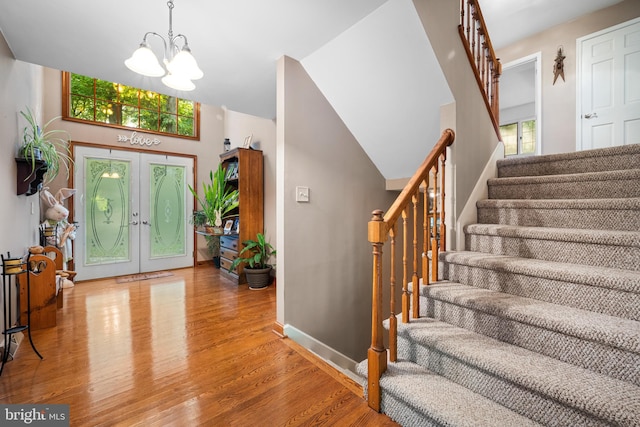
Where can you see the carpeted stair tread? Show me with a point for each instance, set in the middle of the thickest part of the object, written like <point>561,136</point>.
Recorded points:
<point>600,396</point>
<point>573,177</point>
<point>595,214</point>
<point>620,157</point>
<point>605,248</point>
<point>588,185</point>
<point>435,400</point>
<point>609,291</point>
<point>628,203</point>
<point>599,237</point>
<point>587,325</point>
<point>610,278</point>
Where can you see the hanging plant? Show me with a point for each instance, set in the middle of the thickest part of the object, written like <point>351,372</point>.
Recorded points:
<point>40,143</point>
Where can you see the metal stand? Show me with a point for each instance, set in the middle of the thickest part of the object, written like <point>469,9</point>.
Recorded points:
<point>9,272</point>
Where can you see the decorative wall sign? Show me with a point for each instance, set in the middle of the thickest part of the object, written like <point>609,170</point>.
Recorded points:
<point>136,139</point>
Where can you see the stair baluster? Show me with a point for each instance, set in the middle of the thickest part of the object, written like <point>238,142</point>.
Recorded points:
<point>482,58</point>
<point>381,227</point>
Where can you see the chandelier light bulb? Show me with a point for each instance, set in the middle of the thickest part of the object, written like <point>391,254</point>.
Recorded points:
<point>178,82</point>
<point>184,64</point>
<point>144,61</point>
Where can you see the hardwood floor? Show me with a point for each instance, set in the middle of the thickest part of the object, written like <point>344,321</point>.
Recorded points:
<point>185,350</point>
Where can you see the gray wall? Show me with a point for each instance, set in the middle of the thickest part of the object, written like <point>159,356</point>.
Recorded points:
<point>324,258</point>
<point>559,100</point>
<point>20,86</point>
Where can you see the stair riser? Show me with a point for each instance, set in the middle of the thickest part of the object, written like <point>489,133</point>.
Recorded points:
<point>596,219</point>
<point>404,414</point>
<point>592,189</point>
<point>602,300</point>
<point>600,358</point>
<point>624,257</point>
<point>519,399</point>
<point>629,160</point>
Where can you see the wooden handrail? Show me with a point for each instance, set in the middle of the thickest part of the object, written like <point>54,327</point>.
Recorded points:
<point>421,174</point>
<point>482,57</point>
<point>406,205</point>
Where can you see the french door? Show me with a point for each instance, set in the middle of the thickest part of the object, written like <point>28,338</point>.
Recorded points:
<point>132,209</point>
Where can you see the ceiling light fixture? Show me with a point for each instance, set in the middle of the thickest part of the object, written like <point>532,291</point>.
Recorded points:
<point>181,66</point>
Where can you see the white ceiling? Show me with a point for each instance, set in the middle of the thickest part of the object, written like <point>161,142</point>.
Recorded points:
<point>236,42</point>
<point>511,20</point>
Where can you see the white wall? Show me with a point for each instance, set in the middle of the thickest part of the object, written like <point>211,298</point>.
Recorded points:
<point>515,114</point>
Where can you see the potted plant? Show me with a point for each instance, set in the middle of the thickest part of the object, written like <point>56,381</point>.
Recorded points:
<point>199,219</point>
<point>255,255</point>
<point>39,143</point>
<point>219,198</point>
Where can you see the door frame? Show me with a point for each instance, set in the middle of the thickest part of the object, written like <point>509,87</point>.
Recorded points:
<point>579,76</point>
<point>536,58</point>
<point>71,179</point>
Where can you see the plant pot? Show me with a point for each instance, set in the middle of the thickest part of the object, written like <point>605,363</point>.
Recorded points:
<point>213,230</point>
<point>30,154</point>
<point>258,278</point>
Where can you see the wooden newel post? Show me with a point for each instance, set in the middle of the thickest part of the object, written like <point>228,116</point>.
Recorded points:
<point>377,355</point>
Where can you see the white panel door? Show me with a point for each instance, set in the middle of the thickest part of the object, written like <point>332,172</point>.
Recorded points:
<point>609,87</point>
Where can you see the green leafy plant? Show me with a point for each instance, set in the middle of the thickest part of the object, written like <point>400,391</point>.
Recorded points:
<point>219,198</point>
<point>199,219</point>
<point>39,143</point>
<point>259,251</point>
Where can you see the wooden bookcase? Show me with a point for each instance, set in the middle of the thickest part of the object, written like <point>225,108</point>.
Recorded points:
<point>244,169</point>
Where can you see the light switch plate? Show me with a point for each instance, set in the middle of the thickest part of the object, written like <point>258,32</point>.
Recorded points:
<point>302,194</point>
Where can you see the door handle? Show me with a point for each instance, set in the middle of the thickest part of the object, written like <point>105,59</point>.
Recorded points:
<point>134,223</point>
<point>145,222</point>
<point>591,116</point>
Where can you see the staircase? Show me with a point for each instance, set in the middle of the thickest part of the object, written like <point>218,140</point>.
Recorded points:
<point>538,321</point>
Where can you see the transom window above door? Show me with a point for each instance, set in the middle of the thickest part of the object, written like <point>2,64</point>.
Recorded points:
<point>105,103</point>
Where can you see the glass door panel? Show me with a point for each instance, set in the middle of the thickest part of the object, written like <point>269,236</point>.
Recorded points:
<point>167,242</point>
<point>107,207</point>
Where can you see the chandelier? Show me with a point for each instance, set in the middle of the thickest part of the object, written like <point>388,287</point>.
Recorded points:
<point>181,66</point>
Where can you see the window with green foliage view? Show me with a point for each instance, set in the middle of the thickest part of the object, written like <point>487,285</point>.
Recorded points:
<point>113,104</point>
<point>519,137</point>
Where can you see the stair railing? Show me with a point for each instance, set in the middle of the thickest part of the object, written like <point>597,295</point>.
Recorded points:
<point>429,180</point>
<point>486,66</point>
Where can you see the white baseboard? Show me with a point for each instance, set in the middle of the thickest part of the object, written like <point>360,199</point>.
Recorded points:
<point>339,361</point>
